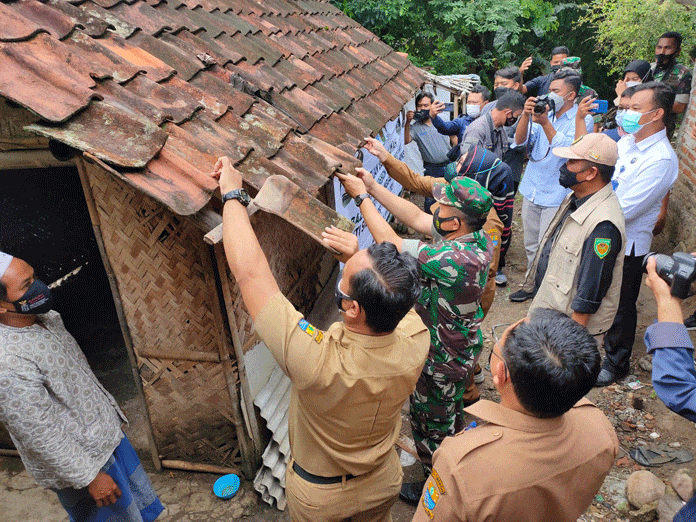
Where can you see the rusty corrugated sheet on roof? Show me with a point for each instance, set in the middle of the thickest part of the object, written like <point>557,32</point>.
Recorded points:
<point>157,89</point>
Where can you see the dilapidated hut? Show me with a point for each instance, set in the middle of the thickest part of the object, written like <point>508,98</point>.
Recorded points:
<point>130,102</point>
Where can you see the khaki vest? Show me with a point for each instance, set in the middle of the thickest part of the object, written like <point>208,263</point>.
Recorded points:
<point>560,283</point>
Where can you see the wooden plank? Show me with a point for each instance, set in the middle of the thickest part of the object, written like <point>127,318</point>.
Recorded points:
<point>200,468</point>
<point>179,355</point>
<point>31,159</point>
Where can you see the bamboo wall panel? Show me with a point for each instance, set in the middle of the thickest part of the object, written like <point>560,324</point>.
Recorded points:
<point>168,307</point>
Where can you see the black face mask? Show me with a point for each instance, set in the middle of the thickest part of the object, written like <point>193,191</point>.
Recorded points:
<point>567,179</point>
<point>36,300</point>
<point>510,121</point>
<point>665,61</point>
<point>438,221</point>
<point>422,115</point>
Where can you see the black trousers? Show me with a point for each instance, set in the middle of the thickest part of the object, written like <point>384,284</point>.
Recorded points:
<point>618,342</point>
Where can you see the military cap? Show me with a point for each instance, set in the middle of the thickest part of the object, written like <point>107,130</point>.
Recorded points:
<point>464,194</point>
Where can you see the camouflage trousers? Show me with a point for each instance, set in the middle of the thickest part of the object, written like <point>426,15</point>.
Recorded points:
<point>437,411</point>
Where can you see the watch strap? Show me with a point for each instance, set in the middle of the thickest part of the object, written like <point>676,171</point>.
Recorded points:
<point>360,198</point>
<point>238,194</point>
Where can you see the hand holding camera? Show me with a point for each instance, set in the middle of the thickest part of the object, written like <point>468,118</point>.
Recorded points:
<point>677,272</point>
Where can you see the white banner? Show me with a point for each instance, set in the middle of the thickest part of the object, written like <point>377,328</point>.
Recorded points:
<point>394,143</point>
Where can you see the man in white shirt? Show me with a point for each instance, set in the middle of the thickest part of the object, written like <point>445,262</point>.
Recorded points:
<point>646,170</point>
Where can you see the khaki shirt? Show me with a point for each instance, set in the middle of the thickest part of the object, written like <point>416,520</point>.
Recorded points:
<point>347,388</point>
<point>518,468</point>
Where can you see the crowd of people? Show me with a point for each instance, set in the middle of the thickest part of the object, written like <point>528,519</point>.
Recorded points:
<point>594,192</point>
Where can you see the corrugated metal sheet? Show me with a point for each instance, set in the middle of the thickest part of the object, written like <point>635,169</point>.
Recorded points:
<point>274,401</point>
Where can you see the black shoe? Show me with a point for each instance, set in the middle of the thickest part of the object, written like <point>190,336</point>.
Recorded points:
<point>690,322</point>
<point>607,377</point>
<point>411,492</point>
<point>520,296</point>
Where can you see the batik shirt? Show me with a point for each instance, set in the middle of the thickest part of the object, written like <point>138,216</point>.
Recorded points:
<point>62,421</point>
<point>453,274</point>
<point>678,77</point>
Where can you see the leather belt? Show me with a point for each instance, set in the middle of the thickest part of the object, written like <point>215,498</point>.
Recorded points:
<point>316,479</point>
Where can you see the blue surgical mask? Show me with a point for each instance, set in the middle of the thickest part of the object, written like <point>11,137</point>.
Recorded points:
<point>619,117</point>
<point>631,119</point>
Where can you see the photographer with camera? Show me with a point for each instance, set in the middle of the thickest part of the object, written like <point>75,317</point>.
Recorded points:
<point>540,187</point>
<point>673,373</point>
<point>646,170</point>
<point>542,84</point>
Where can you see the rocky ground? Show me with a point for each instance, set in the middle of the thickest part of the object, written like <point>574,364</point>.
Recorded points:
<point>631,405</point>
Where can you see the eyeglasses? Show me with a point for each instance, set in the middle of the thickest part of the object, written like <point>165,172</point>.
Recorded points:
<point>341,295</point>
<point>494,333</point>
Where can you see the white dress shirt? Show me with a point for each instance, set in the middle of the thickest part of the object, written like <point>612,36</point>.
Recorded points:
<point>644,174</point>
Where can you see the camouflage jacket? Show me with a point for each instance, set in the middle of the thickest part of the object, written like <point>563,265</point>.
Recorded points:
<point>453,274</point>
<point>679,78</point>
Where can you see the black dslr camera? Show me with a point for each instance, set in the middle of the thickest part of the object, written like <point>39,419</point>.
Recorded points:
<point>541,104</point>
<point>678,270</point>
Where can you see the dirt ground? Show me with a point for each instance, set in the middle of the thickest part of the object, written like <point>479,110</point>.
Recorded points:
<point>639,418</point>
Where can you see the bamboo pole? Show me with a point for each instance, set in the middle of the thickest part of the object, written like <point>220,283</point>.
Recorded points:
<point>201,468</point>
<point>9,453</point>
<point>179,355</point>
<point>128,340</point>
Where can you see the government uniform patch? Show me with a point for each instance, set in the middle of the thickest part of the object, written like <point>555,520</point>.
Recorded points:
<point>430,497</point>
<point>306,327</point>
<point>601,247</point>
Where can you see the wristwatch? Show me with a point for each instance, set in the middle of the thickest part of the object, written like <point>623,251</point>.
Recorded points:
<point>360,198</point>
<point>239,194</point>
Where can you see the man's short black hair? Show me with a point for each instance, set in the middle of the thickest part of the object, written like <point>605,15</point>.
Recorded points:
<point>628,91</point>
<point>561,49</point>
<point>569,77</point>
<point>482,90</point>
<point>606,172</point>
<point>513,100</point>
<point>389,289</point>
<point>553,362</point>
<point>510,73</point>
<point>424,94</point>
<point>662,98</point>
<point>674,35</point>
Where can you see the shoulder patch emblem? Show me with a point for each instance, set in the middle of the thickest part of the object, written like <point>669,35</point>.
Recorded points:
<point>430,497</point>
<point>438,482</point>
<point>601,247</point>
<point>306,327</point>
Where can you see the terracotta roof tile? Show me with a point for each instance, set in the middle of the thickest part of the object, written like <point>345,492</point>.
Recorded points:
<point>113,134</point>
<point>34,74</point>
<point>164,70</point>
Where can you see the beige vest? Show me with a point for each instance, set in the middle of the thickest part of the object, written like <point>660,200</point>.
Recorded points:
<point>560,283</point>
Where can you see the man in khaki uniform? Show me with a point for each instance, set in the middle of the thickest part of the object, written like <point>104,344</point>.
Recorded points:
<point>578,269</point>
<point>544,451</point>
<point>350,381</point>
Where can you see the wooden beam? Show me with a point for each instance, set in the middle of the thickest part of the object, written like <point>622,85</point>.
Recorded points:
<point>31,159</point>
<point>179,355</point>
<point>201,468</point>
<point>116,294</point>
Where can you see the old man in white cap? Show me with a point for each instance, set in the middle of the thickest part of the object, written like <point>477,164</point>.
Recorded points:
<point>578,268</point>
<point>65,425</point>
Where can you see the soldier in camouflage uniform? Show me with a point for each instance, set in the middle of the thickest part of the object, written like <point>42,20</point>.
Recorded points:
<point>454,269</point>
<point>665,69</point>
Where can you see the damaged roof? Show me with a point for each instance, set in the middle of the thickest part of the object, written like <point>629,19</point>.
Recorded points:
<point>158,89</point>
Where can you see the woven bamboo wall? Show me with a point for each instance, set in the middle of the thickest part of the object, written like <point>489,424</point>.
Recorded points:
<point>167,297</point>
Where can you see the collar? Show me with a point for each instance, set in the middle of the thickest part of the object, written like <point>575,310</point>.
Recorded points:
<point>366,341</point>
<point>499,415</point>
<point>570,113</point>
<point>649,141</point>
<point>581,213</point>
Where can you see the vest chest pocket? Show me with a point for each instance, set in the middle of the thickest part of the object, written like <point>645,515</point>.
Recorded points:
<point>563,263</point>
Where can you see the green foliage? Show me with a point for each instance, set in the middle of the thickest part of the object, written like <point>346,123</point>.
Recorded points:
<point>629,29</point>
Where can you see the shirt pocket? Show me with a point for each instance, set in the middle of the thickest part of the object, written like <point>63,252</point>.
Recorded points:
<point>563,265</point>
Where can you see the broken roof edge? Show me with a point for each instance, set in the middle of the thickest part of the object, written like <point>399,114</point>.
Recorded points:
<point>457,83</point>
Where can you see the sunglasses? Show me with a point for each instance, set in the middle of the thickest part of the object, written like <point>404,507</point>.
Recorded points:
<point>340,296</point>
<point>494,333</point>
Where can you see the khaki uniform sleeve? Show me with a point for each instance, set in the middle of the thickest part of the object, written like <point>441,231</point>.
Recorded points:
<point>441,500</point>
<point>298,347</point>
<point>409,179</point>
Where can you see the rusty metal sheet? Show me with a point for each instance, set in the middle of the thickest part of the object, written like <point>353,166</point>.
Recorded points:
<point>167,49</point>
<point>261,140</point>
<point>16,27</point>
<point>176,104</point>
<point>98,61</point>
<point>237,101</point>
<point>263,76</point>
<point>306,109</point>
<point>121,27</point>
<point>155,68</point>
<point>298,71</point>
<point>282,197</point>
<point>34,74</point>
<point>53,20</point>
<point>91,26</point>
<point>216,138</point>
<point>202,44</point>
<point>110,133</point>
<point>117,96</point>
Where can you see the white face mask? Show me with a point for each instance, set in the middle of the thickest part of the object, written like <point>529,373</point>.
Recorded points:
<point>473,110</point>
<point>632,84</point>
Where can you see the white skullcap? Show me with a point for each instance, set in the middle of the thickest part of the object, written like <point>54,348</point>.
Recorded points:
<point>5,260</point>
